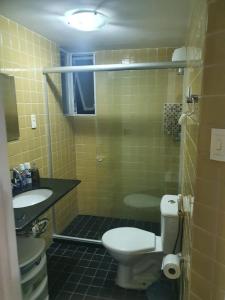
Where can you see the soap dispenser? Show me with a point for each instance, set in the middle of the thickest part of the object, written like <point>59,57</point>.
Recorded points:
<point>35,174</point>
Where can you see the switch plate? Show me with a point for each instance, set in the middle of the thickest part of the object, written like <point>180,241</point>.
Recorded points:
<point>33,122</point>
<point>217,148</point>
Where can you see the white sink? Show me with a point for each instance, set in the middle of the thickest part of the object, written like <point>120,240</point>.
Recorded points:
<point>31,197</point>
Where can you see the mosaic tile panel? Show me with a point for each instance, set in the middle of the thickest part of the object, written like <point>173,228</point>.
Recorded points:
<point>172,113</point>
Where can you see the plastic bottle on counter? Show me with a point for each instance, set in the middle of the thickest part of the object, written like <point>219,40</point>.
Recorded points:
<point>28,172</point>
<point>35,176</point>
<point>23,175</point>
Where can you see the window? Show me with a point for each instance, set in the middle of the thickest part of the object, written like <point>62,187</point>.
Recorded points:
<point>78,88</point>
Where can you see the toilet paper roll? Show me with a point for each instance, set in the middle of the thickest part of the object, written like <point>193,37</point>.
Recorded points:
<point>171,266</point>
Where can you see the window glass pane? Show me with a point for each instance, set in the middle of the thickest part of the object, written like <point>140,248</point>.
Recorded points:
<point>84,86</point>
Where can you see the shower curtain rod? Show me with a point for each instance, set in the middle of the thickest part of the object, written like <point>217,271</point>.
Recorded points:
<point>117,67</point>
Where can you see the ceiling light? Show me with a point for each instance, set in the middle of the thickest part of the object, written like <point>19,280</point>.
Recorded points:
<point>85,20</point>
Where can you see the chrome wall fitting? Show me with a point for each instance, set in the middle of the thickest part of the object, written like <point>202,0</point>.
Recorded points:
<point>192,99</point>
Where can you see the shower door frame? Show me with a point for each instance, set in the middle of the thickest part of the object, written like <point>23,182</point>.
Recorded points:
<point>91,68</point>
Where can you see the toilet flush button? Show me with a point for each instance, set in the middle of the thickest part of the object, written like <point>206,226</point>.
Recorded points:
<point>217,147</point>
<point>172,201</point>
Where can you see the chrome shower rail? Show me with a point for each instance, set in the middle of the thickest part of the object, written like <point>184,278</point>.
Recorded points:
<point>117,67</point>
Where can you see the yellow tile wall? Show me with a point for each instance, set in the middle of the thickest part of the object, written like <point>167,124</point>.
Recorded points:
<point>203,178</point>
<point>29,52</point>
<point>208,217</point>
<point>190,135</point>
<point>123,150</point>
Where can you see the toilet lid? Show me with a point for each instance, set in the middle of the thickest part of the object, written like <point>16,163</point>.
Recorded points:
<point>129,239</point>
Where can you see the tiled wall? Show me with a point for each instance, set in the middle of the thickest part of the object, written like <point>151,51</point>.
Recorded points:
<point>207,247</point>
<point>208,266</point>
<point>124,149</point>
<point>63,151</point>
<point>22,48</point>
<point>190,132</point>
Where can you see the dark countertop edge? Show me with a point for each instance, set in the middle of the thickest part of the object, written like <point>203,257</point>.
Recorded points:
<point>42,207</point>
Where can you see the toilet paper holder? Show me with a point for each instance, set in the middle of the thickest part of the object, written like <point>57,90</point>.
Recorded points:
<point>171,266</point>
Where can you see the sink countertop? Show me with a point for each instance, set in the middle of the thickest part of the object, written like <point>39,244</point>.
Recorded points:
<point>60,187</point>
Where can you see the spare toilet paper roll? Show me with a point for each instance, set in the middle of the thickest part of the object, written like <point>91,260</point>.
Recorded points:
<point>171,266</point>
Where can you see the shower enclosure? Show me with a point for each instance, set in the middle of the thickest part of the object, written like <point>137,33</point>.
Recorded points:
<point>127,153</point>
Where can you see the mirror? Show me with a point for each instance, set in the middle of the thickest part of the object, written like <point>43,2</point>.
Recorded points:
<point>8,92</point>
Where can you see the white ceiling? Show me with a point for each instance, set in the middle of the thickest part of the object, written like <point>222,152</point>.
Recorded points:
<point>132,23</point>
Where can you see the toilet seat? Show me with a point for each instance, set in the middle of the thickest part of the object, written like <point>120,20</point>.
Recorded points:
<point>129,240</point>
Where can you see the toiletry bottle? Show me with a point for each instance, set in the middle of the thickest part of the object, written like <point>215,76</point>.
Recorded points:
<point>35,174</point>
<point>17,178</point>
<point>13,179</point>
<point>23,175</point>
<point>28,172</point>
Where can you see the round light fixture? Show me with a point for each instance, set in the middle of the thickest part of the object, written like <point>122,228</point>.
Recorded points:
<point>86,20</point>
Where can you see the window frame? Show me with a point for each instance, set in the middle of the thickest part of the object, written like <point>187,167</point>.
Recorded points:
<point>70,96</point>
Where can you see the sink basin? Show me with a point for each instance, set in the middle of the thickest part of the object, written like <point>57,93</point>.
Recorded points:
<point>31,198</point>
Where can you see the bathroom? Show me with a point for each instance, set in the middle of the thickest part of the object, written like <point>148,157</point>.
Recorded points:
<point>112,167</point>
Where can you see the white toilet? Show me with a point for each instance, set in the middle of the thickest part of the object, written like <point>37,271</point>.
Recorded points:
<point>140,252</point>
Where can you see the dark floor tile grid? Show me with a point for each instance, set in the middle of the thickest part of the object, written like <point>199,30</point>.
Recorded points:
<point>84,273</point>
<point>93,227</point>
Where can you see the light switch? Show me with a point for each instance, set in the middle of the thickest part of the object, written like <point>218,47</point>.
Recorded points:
<point>217,148</point>
<point>33,122</point>
<point>219,144</point>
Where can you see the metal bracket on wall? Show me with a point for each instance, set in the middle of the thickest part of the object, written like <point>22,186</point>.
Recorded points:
<point>192,99</point>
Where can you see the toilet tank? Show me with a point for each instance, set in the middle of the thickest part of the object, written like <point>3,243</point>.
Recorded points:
<point>169,222</point>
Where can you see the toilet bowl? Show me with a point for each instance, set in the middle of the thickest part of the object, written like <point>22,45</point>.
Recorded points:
<point>140,252</point>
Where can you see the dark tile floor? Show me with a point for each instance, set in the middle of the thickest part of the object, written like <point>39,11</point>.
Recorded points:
<point>77,272</point>
<point>87,272</point>
<point>93,227</point>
